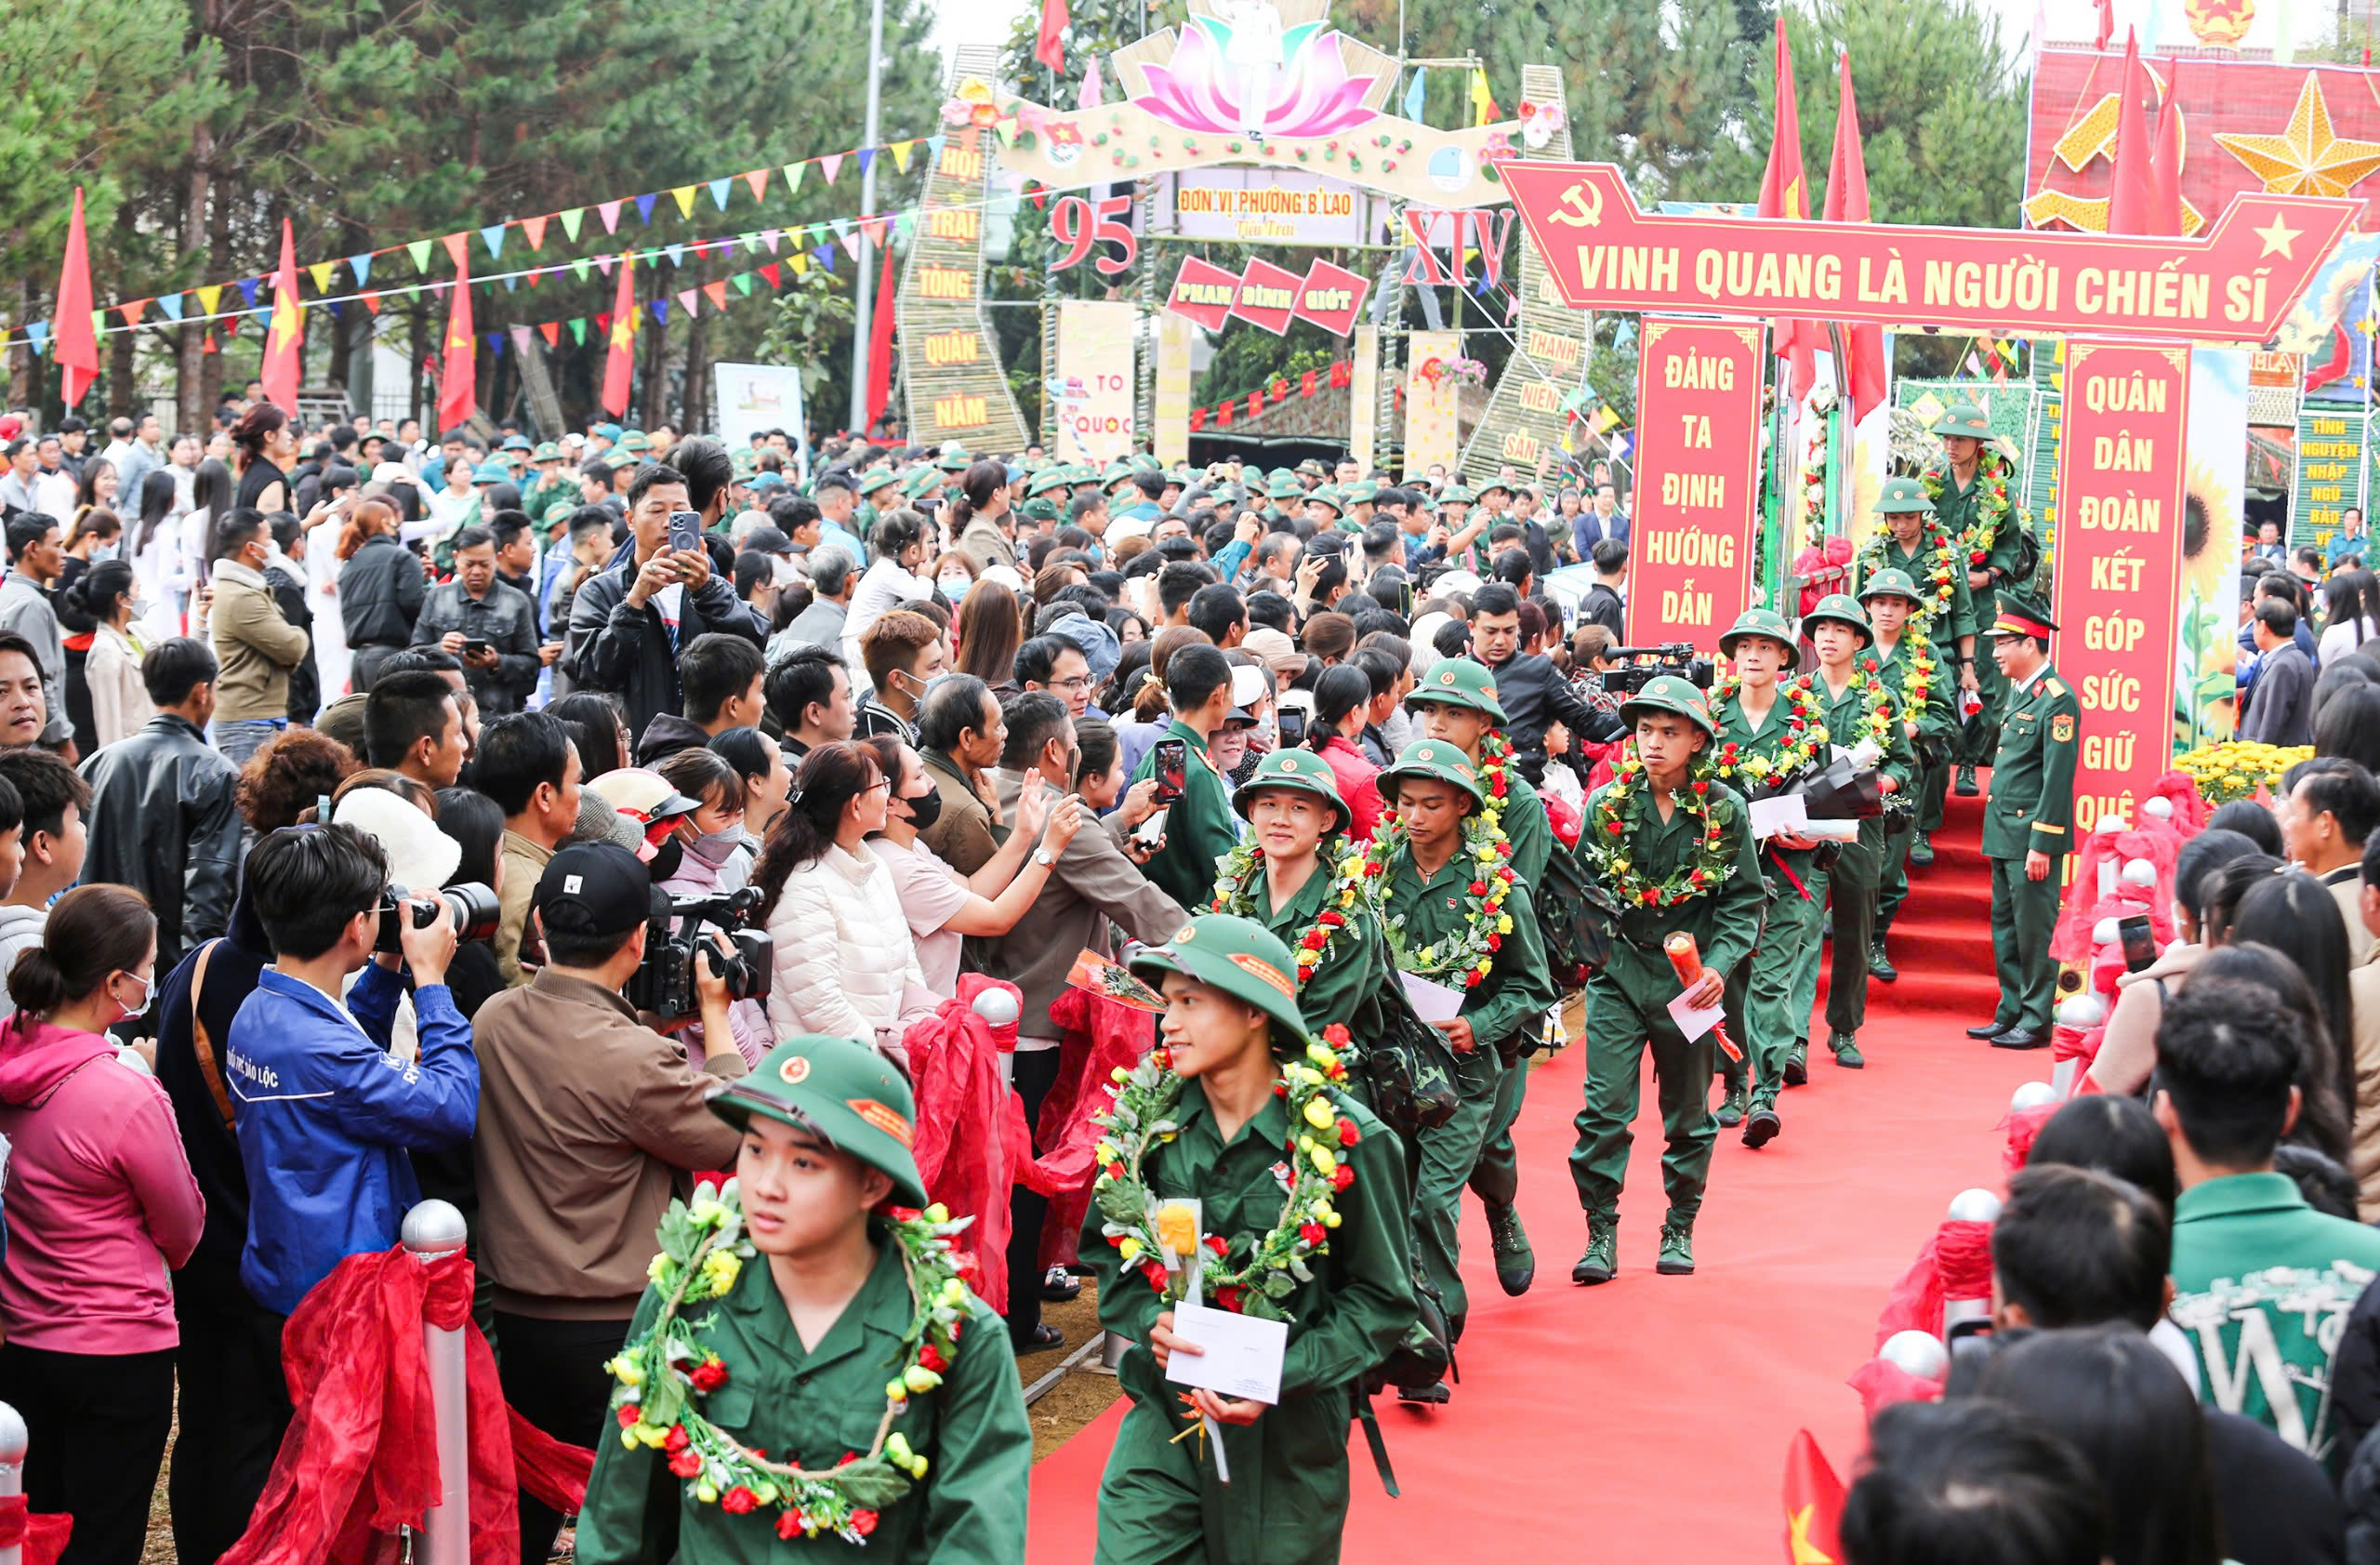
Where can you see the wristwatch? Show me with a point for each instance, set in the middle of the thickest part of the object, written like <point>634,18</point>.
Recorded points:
<point>1044,857</point>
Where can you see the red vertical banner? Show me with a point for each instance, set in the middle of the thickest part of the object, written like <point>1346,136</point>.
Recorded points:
<point>2119,568</point>
<point>1698,446</point>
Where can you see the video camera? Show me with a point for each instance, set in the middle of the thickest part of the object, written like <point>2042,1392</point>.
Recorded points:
<point>1639,666</point>
<point>664,982</point>
<point>475,908</point>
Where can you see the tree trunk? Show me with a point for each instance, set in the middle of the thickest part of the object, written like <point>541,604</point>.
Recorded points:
<point>656,374</point>
<point>218,264</point>
<point>693,396</point>
<point>421,360</point>
<point>190,413</point>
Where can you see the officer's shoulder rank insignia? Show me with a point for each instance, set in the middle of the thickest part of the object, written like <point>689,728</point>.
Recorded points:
<point>2061,728</point>
<point>2052,689</point>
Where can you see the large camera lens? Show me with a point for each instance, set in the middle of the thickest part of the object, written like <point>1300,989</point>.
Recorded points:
<point>477,913</point>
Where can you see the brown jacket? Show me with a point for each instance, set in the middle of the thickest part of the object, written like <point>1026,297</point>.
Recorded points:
<point>965,837</point>
<point>586,1119</point>
<point>254,645</point>
<point>1092,882</point>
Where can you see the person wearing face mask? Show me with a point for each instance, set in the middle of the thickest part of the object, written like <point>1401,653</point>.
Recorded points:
<point>954,574</point>
<point>100,1193</point>
<point>904,657</point>
<point>708,840</point>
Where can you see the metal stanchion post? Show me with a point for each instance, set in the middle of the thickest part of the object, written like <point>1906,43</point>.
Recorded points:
<point>13,1441</point>
<point>432,1231</point>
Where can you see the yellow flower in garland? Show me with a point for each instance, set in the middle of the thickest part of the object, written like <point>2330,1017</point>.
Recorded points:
<point>1804,732</point>
<point>1932,569</point>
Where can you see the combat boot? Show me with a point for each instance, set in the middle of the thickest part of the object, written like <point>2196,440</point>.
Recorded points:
<point>1515,1262</point>
<point>1677,1245</point>
<point>1603,1250</point>
<point>1732,1109</point>
<point>1846,1051</point>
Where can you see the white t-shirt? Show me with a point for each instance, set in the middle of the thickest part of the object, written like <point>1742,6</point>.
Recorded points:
<point>930,893</point>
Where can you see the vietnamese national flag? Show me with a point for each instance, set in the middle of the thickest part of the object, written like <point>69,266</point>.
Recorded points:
<point>458,385</point>
<point>286,342</point>
<point>2132,198</point>
<point>2107,23</point>
<point>1813,1504</point>
<point>880,338</point>
<point>1047,47</point>
<point>1785,192</point>
<point>2168,165</point>
<point>1865,377</point>
<point>75,339</point>
<point>619,362</point>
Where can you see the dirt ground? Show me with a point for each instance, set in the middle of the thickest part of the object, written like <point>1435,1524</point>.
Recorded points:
<point>1082,1395</point>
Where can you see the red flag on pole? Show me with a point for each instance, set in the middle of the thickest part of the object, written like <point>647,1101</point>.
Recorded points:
<point>2107,23</point>
<point>1813,1504</point>
<point>1047,48</point>
<point>458,385</point>
<point>2132,198</point>
<point>620,363</point>
<point>76,339</point>
<point>1785,192</point>
<point>880,344</point>
<point>2168,166</point>
<point>1864,377</point>
<point>284,344</point>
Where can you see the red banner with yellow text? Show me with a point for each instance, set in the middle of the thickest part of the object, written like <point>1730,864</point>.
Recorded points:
<point>2119,569</point>
<point>1698,442</point>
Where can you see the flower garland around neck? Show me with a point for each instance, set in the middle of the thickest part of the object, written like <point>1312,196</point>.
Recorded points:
<point>1876,709</point>
<point>1468,957</point>
<point>1239,888</point>
<point>664,1375</point>
<point>1922,666</point>
<point>1933,569</point>
<point>1804,732</point>
<point>1250,1274</point>
<point>1620,805</point>
<point>1991,502</point>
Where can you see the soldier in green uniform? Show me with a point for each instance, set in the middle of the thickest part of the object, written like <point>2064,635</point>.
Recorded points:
<point>1239,1080</point>
<point>1198,827</point>
<point>875,499</point>
<point>1917,543</point>
<point>1973,496</point>
<point>1292,877</point>
<point>551,487</point>
<point>1456,703</point>
<point>1675,849</point>
<point>1912,671</point>
<point>1459,914</point>
<point>1457,527</point>
<point>744,1386</point>
<point>1769,734</point>
<point>2027,825</point>
<point>1863,718</point>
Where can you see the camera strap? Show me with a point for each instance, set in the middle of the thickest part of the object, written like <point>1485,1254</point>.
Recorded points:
<point>203,1046</point>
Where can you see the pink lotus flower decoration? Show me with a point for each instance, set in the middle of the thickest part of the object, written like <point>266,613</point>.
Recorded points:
<point>1208,87</point>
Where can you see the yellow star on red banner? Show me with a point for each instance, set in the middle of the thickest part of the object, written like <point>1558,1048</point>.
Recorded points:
<point>2308,158</point>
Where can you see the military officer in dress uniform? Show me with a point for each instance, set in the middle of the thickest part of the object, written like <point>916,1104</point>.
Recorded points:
<point>2028,827</point>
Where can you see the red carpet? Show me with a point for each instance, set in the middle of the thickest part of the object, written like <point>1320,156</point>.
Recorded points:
<point>1649,1418</point>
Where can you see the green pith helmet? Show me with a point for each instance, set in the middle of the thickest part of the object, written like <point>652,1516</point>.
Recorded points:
<point>1668,693</point>
<point>1844,609</point>
<point>1438,761</point>
<point>1282,489</point>
<point>1455,494</point>
<point>1300,769</point>
<point>953,459</point>
<point>547,451</point>
<point>1040,511</point>
<point>1362,492</point>
<point>841,1090</point>
<point>1460,682</point>
<point>1964,419</point>
<point>917,483</point>
<point>875,481</point>
<point>1902,495</point>
<point>1045,481</point>
<point>1327,494</point>
<point>1241,957</point>
<point>1763,622</point>
<point>1891,582</point>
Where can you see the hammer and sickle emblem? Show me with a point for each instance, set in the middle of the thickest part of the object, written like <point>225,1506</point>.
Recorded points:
<point>1585,207</point>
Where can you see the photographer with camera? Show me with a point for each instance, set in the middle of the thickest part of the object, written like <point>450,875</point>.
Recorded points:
<point>573,1183</point>
<point>326,1112</point>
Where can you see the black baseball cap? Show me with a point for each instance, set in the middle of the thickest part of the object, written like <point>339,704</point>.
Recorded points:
<point>768,540</point>
<point>597,888</point>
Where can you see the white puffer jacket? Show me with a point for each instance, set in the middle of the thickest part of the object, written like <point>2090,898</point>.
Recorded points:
<point>844,955</point>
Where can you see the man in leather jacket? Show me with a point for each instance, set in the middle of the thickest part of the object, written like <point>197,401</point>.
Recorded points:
<point>620,625</point>
<point>1531,690</point>
<point>164,820</point>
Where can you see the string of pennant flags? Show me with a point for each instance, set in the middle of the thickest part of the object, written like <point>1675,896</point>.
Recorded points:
<point>174,307</point>
<point>811,244</point>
